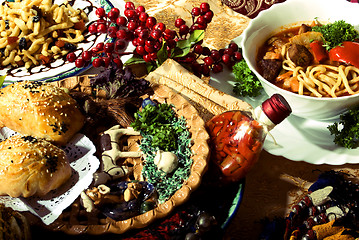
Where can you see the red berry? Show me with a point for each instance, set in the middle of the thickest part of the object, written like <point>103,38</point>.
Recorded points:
<point>216,56</point>
<point>101,28</point>
<point>171,43</point>
<point>130,13</point>
<point>217,68</point>
<point>71,57</point>
<point>100,45</point>
<point>208,61</point>
<point>206,70</point>
<point>208,16</point>
<point>97,62</point>
<point>141,50</point>
<point>120,44</point>
<point>86,55</point>
<point>204,7</point>
<point>115,10</point>
<point>202,26</point>
<point>160,26</point>
<point>141,41</point>
<point>144,34</point>
<point>147,58</point>
<point>100,12</point>
<point>226,58</point>
<point>149,49</point>
<point>94,51</point>
<point>113,15</point>
<point>206,51</point>
<point>179,22</point>
<point>132,25</point>
<point>190,58</point>
<point>198,49</point>
<point>183,30</point>
<point>134,42</point>
<point>111,31</point>
<point>140,9</point>
<point>92,28</point>
<point>122,34</point>
<point>196,11</point>
<point>228,51</point>
<point>153,56</point>
<point>169,34</point>
<point>201,20</point>
<point>79,62</point>
<point>106,61</point>
<point>233,46</point>
<point>121,21</point>
<point>157,45</point>
<point>156,34</point>
<point>237,56</point>
<point>108,47</point>
<point>149,43</point>
<point>150,22</point>
<point>143,16</point>
<point>129,5</point>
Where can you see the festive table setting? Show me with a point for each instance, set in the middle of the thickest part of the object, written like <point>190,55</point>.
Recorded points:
<point>121,64</point>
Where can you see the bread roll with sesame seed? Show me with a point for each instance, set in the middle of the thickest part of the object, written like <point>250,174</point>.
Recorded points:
<point>31,166</point>
<point>41,110</point>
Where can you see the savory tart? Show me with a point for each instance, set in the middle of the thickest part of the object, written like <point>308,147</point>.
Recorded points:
<point>131,176</point>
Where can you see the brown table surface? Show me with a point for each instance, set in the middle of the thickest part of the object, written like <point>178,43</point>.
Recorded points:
<point>273,185</point>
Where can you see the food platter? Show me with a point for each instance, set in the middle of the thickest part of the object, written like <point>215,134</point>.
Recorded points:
<point>60,68</point>
<point>294,134</point>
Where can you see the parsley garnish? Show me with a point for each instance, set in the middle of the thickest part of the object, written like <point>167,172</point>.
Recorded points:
<point>346,131</point>
<point>336,33</point>
<point>247,83</point>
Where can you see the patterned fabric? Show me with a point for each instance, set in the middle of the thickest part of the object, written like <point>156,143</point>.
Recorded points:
<point>251,8</point>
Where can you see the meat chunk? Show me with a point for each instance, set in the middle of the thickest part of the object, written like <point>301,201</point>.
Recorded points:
<point>300,55</point>
<point>304,28</point>
<point>270,68</point>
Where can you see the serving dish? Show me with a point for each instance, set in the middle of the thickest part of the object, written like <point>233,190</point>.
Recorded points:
<point>60,68</point>
<point>290,137</point>
<point>289,14</point>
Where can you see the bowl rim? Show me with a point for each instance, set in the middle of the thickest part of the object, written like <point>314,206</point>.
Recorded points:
<point>278,6</point>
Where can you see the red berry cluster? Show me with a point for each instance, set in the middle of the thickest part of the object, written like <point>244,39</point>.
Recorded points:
<point>148,36</point>
<point>211,60</point>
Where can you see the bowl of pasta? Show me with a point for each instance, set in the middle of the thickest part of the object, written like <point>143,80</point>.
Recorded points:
<point>308,51</point>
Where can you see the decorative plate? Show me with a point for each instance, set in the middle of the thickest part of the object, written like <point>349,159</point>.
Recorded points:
<point>60,68</point>
<point>76,221</point>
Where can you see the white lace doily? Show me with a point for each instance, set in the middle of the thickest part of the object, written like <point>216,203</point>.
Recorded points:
<point>80,152</point>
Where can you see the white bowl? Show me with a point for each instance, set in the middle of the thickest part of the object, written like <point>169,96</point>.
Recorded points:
<point>293,13</point>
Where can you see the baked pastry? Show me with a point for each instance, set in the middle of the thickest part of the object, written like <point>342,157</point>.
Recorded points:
<point>41,110</point>
<point>31,166</point>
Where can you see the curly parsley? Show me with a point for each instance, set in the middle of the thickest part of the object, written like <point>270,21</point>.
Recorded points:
<point>336,33</point>
<point>247,83</point>
<point>346,131</point>
<point>162,129</point>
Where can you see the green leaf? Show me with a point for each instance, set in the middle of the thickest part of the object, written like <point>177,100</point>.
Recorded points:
<point>162,54</point>
<point>2,79</point>
<point>183,47</point>
<point>196,36</point>
<point>135,59</point>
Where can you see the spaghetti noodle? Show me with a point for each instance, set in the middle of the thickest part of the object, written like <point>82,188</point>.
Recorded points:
<point>320,80</point>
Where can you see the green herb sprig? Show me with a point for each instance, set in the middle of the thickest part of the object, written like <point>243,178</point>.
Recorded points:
<point>336,33</point>
<point>247,82</point>
<point>346,131</point>
<point>157,122</point>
